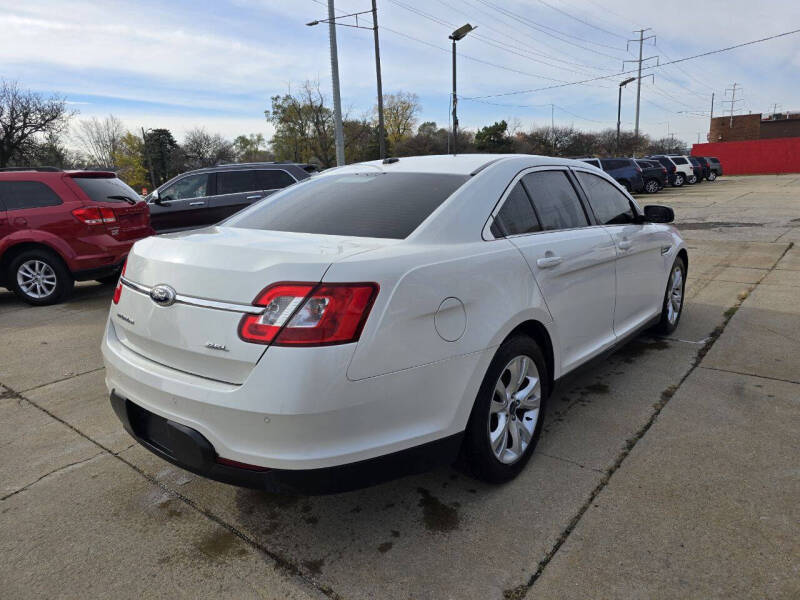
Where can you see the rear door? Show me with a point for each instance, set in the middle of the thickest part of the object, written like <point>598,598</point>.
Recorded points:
<point>571,260</point>
<point>235,191</point>
<point>182,204</point>
<point>639,263</point>
<point>5,226</point>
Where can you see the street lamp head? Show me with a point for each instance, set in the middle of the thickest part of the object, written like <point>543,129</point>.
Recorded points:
<point>312,23</point>
<point>627,81</point>
<point>461,32</point>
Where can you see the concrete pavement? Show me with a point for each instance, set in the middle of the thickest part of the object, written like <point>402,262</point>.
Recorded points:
<point>668,442</point>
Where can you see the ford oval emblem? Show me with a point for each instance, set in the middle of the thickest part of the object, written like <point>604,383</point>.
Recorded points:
<point>163,295</point>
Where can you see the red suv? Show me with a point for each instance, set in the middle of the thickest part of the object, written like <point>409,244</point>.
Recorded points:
<point>57,227</point>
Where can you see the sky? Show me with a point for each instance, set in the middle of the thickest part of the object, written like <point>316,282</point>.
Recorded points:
<point>216,63</point>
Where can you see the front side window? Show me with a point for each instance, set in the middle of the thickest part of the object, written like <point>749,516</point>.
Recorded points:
<point>555,200</point>
<point>191,186</point>
<point>381,205</point>
<point>19,195</point>
<point>516,215</point>
<point>237,182</point>
<point>610,206</point>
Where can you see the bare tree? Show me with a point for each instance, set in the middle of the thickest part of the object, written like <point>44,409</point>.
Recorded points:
<point>203,149</point>
<point>26,116</point>
<point>100,139</point>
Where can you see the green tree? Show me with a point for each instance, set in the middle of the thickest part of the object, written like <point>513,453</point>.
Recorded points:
<point>130,163</point>
<point>252,148</point>
<point>400,112</point>
<point>494,138</point>
<point>164,154</point>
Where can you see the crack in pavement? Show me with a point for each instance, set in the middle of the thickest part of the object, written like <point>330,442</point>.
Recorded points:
<point>284,564</point>
<point>567,460</point>
<point>57,470</point>
<point>751,375</point>
<point>520,591</point>
<point>66,378</point>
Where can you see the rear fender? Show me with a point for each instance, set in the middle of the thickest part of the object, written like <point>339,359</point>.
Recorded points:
<point>39,238</point>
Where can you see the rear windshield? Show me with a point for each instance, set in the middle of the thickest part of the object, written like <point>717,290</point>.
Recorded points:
<point>107,189</point>
<point>381,205</point>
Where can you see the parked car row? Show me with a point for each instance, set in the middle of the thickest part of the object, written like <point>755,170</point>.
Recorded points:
<point>653,173</point>
<point>58,227</point>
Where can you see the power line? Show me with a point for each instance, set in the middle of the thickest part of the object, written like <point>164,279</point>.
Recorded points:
<point>487,40</point>
<point>680,60</point>
<point>579,20</point>
<point>542,29</point>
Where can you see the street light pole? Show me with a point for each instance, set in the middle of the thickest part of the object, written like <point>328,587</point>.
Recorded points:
<point>337,100</point>
<point>381,131</point>
<point>458,34</point>
<point>619,106</point>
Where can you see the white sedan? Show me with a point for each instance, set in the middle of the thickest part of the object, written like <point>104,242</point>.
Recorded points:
<point>384,316</point>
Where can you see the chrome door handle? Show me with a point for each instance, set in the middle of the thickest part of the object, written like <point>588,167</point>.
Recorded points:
<point>256,197</point>
<point>197,203</point>
<point>625,245</point>
<point>548,262</point>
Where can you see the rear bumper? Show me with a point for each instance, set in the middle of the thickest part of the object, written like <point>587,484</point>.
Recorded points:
<point>98,253</point>
<point>297,410</point>
<point>190,450</point>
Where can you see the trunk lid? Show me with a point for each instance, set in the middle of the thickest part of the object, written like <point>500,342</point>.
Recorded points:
<point>220,264</point>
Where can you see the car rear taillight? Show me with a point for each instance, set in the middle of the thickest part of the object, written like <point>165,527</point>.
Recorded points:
<point>308,314</point>
<point>93,215</point>
<point>118,289</point>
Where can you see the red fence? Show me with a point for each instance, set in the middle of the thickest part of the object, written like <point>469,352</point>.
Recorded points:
<point>756,157</point>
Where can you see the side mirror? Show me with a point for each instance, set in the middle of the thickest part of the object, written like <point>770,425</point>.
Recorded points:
<point>655,213</point>
<point>155,197</point>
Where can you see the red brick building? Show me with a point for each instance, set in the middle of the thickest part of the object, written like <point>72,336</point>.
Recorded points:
<point>752,144</point>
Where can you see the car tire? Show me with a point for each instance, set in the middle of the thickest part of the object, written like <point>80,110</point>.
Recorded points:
<point>679,180</point>
<point>674,298</point>
<point>711,176</point>
<point>651,186</point>
<point>40,277</point>
<point>516,415</point>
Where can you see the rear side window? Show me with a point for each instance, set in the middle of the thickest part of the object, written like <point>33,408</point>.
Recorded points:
<point>382,205</point>
<point>592,161</point>
<point>610,206</point>
<point>679,160</point>
<point>516,216</point>
<point>273,179</point>
<point>237,182</point>
<point>555,200</point>
<point>712,159</point>
<point>615,164</point>
<point>106,189</point>
<point>19,195</point>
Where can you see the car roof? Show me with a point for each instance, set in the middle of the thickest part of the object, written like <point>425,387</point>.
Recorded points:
<point>250,165</point>
<point>459,164</point>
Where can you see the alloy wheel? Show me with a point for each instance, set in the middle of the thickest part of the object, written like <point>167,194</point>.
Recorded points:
<point>675,296</point>
<point>36,279</point>
<point>651,187</point>
<point>514,409</point>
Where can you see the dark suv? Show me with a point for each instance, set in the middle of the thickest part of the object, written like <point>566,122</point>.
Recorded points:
<point>57,227</point>
<point>624,170</point>
<point>712,168</point>
<point>654,175</point>
<point>207,196</point>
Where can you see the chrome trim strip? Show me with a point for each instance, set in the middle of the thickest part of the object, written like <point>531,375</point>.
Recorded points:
<point>201,302</point>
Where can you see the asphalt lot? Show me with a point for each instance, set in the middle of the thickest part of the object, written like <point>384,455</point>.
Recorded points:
<point>670,469</point>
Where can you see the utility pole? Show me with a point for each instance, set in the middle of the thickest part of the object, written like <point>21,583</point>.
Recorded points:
<point>553,128</point>
<point>337,100</point>
<point>641,39</point>
<point>733,99</point>
<point>712,105</point>
<point>381,132</point>
<point>622,84</point>
<point>149,162</point>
